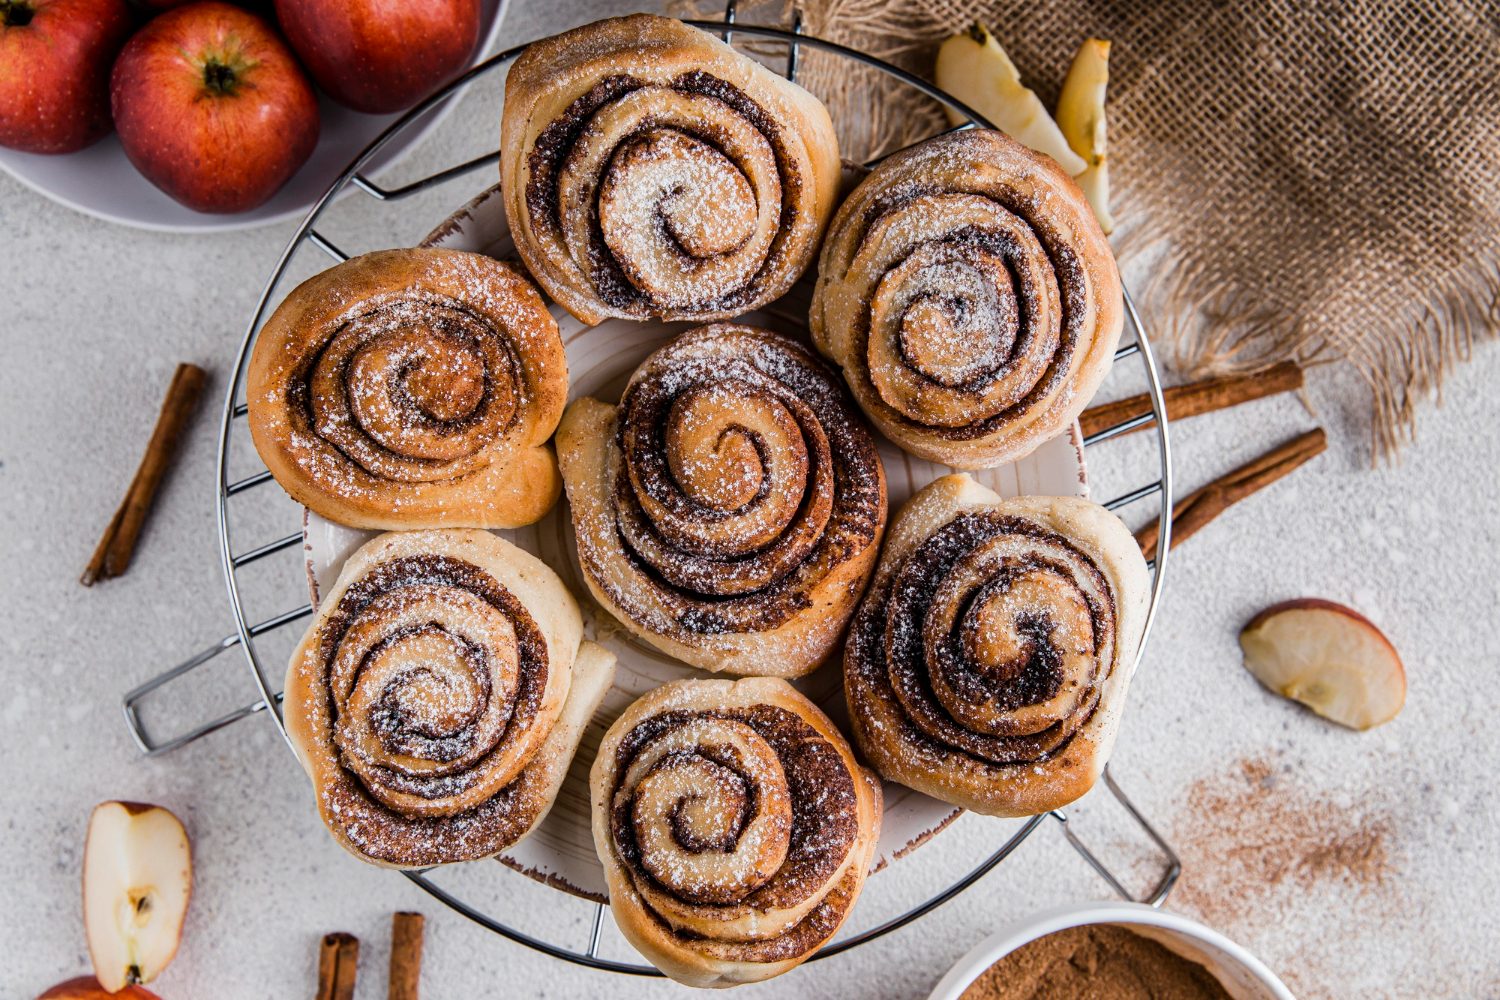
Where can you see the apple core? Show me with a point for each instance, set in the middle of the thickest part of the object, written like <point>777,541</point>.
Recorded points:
<point>220,78</point>
<point>16,13</point>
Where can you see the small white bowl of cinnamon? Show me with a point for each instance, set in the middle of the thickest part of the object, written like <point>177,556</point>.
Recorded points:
<point>1122,950</point>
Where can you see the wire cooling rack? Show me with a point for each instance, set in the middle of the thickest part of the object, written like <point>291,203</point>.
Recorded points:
<point>233,429</point>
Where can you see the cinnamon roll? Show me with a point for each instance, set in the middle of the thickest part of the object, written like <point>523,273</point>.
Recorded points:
<point>734,826</point>
<point>988,665</point>
<point>440,695</point>
<point>729,510</point>
<point>412,389</point>
<point>651,170</point>
<point>970,297</point>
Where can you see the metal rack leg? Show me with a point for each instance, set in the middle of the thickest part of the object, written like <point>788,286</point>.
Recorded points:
<point>430,887</point>
<point>134,695</point>
<point>598,928</point>
<point>1158,894</point>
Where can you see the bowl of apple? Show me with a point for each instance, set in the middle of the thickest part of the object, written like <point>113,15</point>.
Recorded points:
<point>202,115</point>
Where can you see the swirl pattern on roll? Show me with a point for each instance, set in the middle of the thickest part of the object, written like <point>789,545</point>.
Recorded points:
<point>650,170</point>
<point>735,827</point>
<point>970,297</point>
<point>730,509</point>
<point>433,700</point>
<point>987,664</point>
<point>412,388</point>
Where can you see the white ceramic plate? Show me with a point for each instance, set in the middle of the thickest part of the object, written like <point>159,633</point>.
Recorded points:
<point>600,362</point>
<point>100,181</point>
<point>1243,976</point>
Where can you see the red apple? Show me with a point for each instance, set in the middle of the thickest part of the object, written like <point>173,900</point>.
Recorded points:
<point>88,988</point>
<point>380,56</point>
<point>261,7</point>
<point>54,71</point>
<point>212,107</point>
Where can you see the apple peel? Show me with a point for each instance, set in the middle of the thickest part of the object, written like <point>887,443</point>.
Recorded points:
<point>88,988</point>
<point>137,878</point>
<point>1328,657</point>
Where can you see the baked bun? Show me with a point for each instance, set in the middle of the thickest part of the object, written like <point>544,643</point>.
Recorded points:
<point>735,828</point>
<point>729,510</point>
<point>970,297</point>
<point>440,695</point>
<point>412,389</point>
<point>651,170</point>
<point>988,664</point>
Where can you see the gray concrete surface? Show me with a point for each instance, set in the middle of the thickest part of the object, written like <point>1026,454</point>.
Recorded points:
<point>1354,864</point>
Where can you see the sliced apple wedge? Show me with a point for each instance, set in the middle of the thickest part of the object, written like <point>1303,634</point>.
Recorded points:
<point>137,876</point>
<point>1328,657</point>
<point>975,69</point>
<point>88,988</point>
<point>1080,116</point>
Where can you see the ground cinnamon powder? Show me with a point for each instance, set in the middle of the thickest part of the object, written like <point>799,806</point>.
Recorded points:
<point>1254,842</point>
<point>1099,962</point>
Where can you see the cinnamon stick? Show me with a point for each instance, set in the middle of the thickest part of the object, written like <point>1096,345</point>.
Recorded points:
<point>406,955</point>
<point>1198,508</point>
<point>113,553</point>
<point>338,960</point>
<point>1196,398</point>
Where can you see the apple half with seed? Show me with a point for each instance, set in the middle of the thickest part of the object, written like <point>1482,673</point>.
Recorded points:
<point>88,988</point>
<point>137,876</point>
<point>1328,657</point>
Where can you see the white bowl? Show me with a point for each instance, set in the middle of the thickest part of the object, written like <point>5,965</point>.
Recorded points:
<point>1243,976</point>
<point>101,182</point>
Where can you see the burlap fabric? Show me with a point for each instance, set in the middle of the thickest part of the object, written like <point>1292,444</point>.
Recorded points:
<point>1320,177</point>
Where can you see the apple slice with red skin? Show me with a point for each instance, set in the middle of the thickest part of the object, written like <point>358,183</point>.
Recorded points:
<point>88,988</point>
<point>212,107</point>
<point>377,56</point>
<point>1328,657</point>
<point>137,879</point>
<point>55,57</point>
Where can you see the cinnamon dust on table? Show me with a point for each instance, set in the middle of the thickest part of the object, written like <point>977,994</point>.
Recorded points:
<point>1253,840</point>
<point>1097,962</point>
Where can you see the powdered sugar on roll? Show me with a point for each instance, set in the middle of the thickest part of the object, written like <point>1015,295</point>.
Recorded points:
<point>970,298</point>
<point>650,170</point>
<point>735,828</point>
<point>988,664</point>
<point>439,696</point>
<point>729,510</point>
<point>412,389</point>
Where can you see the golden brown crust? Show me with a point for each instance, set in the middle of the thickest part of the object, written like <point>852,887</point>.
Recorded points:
<point>989,662</point>
<point>970,298</point>
<point>412,389</point>
<point>729,511</point>
<point>715,903</point>
<point>439,696</point>
<point>651,170</point>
